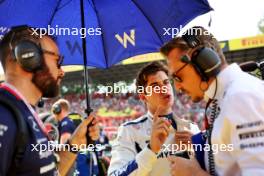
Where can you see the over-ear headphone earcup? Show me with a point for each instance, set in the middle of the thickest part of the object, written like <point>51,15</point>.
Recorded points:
<point>207,61</point>
<point>56,109</point>
<point>28,55</point>
<point>186,59</point>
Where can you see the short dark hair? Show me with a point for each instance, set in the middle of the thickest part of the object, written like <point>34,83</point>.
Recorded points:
<point>204,36</point>
<point>149,69</point>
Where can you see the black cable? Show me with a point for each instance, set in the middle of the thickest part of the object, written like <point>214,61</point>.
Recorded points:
<point>214,113</point>
<point>211,161</point>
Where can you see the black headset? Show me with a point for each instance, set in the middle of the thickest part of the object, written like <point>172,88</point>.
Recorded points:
<point>26,52</point>
<point>205,60</point>
<point>56,109</point>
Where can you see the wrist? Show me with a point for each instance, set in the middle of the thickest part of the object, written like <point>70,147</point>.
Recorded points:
<point>73,148</point>
<point>75,141</point>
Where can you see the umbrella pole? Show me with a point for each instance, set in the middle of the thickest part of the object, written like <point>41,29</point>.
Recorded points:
<point>88,109</point>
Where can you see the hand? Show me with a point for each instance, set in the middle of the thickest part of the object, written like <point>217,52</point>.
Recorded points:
<point>183,138</point>
<point>94,130</point>
<point>79,135</point>
<point>160,131</point>
<point>185,167</point>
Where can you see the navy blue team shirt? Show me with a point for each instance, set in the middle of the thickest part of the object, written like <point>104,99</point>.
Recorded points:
<point>66,125</point>
<point>34,162</point>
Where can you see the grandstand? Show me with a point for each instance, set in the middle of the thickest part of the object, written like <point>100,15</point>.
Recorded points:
<point>236,50</point>
<point>115,109</point>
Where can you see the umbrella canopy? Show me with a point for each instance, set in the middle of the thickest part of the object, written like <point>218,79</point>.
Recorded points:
<point>112,30</point>
<point>100,33</point>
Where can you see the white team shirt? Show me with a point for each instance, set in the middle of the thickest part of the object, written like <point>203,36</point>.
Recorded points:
<point>240,123</point>
<point>130,154</point>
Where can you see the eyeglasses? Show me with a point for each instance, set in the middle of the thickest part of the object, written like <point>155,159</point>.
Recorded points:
<point>174,75</point>
<point>60,57</point>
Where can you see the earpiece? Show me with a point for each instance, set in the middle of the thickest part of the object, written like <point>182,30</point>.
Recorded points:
<point>56,109</point>
<point>26,52</point>
<point>205,60</point>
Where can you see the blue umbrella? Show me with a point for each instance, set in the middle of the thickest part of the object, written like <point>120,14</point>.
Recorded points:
<point>114,29</point>
<point>101,33</point>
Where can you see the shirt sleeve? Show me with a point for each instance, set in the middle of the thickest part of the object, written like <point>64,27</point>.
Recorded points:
<point>7,139</point>
<point>67,126</point>
<point>125,160</point>
<point>245,120</point>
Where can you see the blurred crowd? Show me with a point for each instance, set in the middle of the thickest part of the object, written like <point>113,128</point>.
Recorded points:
<point>115,109</point>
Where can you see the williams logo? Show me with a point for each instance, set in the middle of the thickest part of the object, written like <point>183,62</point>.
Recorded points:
<point>127,38</point>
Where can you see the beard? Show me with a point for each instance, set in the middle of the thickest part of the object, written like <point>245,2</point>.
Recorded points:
<point>197,99</point>
<point>46,83</point>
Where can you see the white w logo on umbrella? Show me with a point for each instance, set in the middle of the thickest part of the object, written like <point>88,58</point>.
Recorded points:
<point>126,38</point>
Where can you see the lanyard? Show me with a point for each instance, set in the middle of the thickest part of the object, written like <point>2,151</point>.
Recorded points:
<point>11,89</point>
